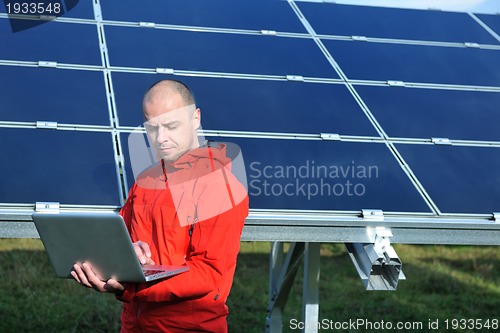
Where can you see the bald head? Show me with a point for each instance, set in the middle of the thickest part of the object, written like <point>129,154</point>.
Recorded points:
<point>172,119</point>
<point>166,89</point>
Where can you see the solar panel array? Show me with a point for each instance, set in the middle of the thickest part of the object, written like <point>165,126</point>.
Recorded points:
<point>335,107</point>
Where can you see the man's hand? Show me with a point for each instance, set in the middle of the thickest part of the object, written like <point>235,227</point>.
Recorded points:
<point>85,276</point>
<point>143,253</point>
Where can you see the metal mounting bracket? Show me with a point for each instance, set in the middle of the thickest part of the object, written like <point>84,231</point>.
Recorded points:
<point>46,124</point>
<point>372,214</point>
<point>165,70</point>
<point>47,207</point>
<point>378,265</point>
<point>330,136</point>
<point>441,141</point>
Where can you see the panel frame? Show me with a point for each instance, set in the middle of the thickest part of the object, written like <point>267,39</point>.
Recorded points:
<point>283,226</point>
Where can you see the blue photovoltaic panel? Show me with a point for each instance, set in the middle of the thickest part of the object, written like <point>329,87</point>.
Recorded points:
<point>428,25</point>
<point>252,15</point>
<point>254,105</point>
<point>288,174</point>
<point>458,179</point>
<point>220,52</point>
<point>493,21</point>
<point>51,41</point>
<point>416,63</point>
<point>78,167</point>
<point>80,9</point>
<point>65,96</point>
<point>296,174</point>
<point>69,167</point>
<point>427,113</point>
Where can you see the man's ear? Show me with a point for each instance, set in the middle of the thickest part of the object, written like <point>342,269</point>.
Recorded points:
<point>197,119</point>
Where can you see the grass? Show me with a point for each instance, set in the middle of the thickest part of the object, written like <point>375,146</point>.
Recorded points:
<point>443,282</point>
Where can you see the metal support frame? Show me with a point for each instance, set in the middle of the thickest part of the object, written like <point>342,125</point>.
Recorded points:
<point>310,294</point>
<point>282,274</point>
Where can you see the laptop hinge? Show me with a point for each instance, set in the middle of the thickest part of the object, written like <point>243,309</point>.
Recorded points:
<point>47,207</point>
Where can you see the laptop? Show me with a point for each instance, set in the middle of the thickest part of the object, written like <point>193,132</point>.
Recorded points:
<point>100,239</point>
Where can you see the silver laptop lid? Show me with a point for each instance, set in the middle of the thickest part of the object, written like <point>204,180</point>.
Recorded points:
<point>100,239</point>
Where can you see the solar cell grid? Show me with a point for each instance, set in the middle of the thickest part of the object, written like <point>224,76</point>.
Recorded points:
<point>70,167</point>
<point>378,22</point>
<point>250,105</point>
<point>215,52</point>
<point>227,14</point>
<point>459,179</point>
<point>416,63</point>
<point>239,80</point>
<point>60,95</point>
<point>428,113</point>
<point>52,41</point>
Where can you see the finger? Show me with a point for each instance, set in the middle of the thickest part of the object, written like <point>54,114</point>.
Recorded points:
<point>142,251</point>
<point>150,262</point>
<point>75,276</point>
<point>140,255</point>
<point>82,277</point>
<point>145,248</point>
<point>114,286</point>
<point>92,278</point>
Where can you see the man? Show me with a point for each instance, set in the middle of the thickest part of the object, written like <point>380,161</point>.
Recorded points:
<point>189,209</point>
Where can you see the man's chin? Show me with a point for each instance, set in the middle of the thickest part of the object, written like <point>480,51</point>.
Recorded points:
<point>170,157</point>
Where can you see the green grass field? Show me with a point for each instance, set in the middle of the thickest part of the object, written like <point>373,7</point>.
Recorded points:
<point>443,282</point>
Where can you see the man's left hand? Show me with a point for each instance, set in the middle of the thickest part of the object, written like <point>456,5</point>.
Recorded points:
<point>85,275</point>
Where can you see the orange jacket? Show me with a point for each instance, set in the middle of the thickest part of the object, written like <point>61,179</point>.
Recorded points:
<point>190,213</point>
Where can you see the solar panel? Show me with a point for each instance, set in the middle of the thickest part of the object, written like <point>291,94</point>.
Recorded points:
<point>70,167</point>
<point>259,106</point>
<point>394,23</point>
<point>215,52</point>
<point>326,175</point>
<point>227,14</point>
<point>428,113</point>
<point>290,82</point>
<point>51,41</point>
<point>416,63</point>
<point>65,96</point>
<point>459,179</point>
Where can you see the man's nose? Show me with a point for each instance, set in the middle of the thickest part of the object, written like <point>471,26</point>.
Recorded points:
<point>163,135</point>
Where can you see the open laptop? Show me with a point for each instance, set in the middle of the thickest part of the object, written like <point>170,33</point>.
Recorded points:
<point>100,239</point>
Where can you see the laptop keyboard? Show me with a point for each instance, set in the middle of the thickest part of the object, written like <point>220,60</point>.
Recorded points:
<point>149,272</point>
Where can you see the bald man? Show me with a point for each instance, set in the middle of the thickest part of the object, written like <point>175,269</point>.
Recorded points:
<point>189,209</point>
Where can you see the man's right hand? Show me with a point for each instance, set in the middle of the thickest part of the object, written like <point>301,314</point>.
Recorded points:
<point>143,253</point>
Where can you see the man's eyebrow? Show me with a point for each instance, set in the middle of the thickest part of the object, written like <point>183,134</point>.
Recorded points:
<point>170,123</point>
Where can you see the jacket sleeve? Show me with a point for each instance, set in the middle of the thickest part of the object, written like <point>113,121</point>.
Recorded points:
<point>211,257</point>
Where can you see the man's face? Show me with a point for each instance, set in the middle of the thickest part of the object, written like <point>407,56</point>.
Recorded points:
<point>171,126</point>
